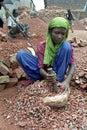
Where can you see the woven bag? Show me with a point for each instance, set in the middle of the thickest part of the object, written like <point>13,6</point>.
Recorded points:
<point>59,100</point>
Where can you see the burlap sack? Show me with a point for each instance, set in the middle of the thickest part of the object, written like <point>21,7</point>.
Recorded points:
<point>59,100</point>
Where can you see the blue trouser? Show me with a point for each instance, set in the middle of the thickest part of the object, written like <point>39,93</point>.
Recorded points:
<point>29,63</point>
<point>62,60</point>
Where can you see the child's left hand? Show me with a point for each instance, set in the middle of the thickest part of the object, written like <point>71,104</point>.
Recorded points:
<point>64,85</point>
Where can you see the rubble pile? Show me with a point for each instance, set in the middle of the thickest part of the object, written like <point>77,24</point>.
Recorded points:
<point>78,42</point>
<point>10,72</point>
<point>54,8</point>
<point>50,14</point>
<point>23,9</point>
<point>27,110</point>
<point>84,22</point>
<point>80,77</point>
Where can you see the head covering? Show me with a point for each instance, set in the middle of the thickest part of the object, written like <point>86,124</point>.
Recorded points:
<point>50,49</point>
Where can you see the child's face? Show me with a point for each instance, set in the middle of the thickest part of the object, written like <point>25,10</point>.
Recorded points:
<point>58,34</point>
<point>15,15</point>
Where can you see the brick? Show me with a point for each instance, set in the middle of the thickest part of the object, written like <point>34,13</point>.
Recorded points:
<point>13,58</point>
<point>12,82</point>
<point>3,69</point>
<point>2,86</point>
<point>1,33</point>
<point>19,72</point>
<point>23,75</point>
<point>10,72</point>
<point>4,61</point>
<point>13,61</point>
<point>4,79</point>
<point>14,65</point>
<point>83,86</point>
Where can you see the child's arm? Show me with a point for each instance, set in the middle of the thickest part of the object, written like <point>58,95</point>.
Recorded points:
<point>70,74</point>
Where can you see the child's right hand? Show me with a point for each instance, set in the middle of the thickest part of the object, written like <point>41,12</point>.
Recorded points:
<point>51,77</point>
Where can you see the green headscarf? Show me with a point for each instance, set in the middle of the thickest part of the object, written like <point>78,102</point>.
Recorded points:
<point>50,49</point>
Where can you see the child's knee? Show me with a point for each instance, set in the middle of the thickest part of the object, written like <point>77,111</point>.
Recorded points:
<point>19,54</point>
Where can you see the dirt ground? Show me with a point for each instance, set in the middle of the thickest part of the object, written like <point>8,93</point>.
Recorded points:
<point>73,116</point>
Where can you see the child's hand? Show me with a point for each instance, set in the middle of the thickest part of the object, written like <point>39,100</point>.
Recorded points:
<point>64,85</point>
<point>51,77</point>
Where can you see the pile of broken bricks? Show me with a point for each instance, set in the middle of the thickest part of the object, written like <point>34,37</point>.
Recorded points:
<point>10,72</point>
<point>80,79</point>
<point>78,42</point>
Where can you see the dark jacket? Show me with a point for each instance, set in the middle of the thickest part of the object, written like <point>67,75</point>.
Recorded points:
<point>69,16</point>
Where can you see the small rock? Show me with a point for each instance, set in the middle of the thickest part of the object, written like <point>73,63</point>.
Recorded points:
<point>22,124</point>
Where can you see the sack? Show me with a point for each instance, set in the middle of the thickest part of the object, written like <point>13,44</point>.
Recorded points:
<point>59,100</point>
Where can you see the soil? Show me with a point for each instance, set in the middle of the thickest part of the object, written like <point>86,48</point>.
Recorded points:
<point>73,115</point>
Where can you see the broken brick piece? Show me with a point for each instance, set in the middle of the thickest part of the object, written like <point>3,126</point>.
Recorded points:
<point>83,86</point>
<point>19,72</point>
<point>4,79</point>
<point>4,61</point>
<point>3,69</point>
<point>12,82</point>
<point>2,86</point>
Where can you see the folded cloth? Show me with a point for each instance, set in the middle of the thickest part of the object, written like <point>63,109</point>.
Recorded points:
<point>26,82</point>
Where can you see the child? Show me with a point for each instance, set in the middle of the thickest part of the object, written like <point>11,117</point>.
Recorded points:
<point>13,27</point>
<point>69,16</point>
<point>55,52</point>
